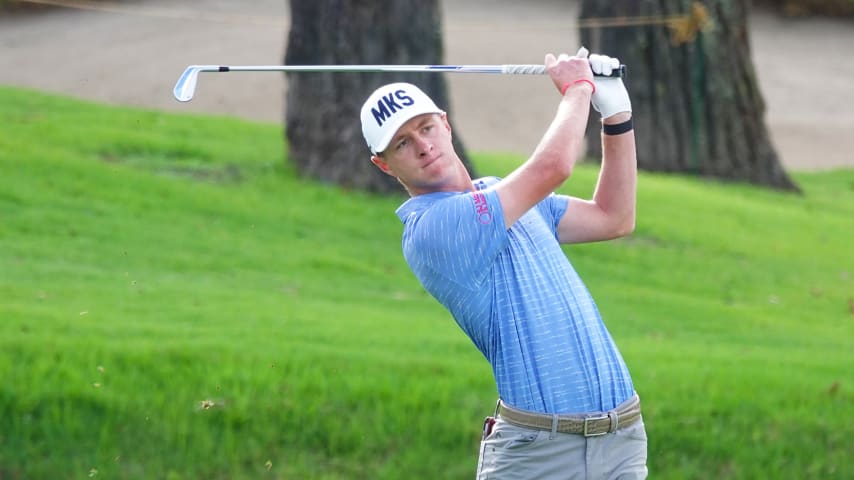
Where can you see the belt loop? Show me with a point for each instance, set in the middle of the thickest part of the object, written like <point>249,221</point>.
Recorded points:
<point>554,427</point>
<point>615,421</point>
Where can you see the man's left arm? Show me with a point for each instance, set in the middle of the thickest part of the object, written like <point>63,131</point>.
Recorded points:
<point>611,212</point>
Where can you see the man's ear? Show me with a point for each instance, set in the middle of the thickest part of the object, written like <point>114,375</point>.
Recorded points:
<point>382,165</point>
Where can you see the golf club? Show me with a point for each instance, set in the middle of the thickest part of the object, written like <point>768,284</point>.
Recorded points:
<point>186,86</point>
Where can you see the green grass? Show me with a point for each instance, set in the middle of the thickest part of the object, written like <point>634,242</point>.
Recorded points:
<point>150,262</point>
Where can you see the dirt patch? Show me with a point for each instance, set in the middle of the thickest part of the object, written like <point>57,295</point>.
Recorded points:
<point>133,52</point>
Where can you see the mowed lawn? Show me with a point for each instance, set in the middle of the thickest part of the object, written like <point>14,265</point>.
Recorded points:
<point>176,303</point>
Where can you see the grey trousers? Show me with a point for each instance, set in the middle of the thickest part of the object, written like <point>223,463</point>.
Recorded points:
<point>512,452</point>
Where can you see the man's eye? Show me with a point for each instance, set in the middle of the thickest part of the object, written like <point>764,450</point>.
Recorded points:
<point>401,144</point>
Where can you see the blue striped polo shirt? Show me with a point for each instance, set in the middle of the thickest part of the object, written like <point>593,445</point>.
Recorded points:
<point>516,295</point>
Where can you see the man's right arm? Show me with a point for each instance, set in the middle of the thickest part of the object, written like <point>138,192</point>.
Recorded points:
<point>556,154</point>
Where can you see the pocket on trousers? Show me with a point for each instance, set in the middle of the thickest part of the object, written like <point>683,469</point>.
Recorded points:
<point>510,437</point>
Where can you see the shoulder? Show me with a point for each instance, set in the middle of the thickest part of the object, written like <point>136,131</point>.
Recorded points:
<point>415,207</point>
<point>485,182</point>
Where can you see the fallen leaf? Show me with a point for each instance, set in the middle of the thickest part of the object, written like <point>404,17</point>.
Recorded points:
<point>833,389</point>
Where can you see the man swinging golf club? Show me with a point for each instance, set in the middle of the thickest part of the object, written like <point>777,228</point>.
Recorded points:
<point>489,250</point>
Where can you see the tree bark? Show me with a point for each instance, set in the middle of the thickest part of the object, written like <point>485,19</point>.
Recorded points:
<point>696,102</point>
<point>322,124</point>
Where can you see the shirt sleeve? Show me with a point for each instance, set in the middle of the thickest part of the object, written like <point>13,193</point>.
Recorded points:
<point>459,237</point>
<point>553,208</point>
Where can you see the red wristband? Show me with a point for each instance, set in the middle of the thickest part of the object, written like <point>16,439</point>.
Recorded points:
<point>566,86</point>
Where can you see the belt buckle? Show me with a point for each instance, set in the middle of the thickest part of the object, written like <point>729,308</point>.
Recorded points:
<point>586,424</point>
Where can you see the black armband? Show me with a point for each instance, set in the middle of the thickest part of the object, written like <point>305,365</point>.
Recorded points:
<point>617,128</point>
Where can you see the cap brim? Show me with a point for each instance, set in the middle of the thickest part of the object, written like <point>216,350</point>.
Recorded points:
<point>399,122</point>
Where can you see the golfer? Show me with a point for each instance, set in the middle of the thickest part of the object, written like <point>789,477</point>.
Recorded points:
<point>489,250</point>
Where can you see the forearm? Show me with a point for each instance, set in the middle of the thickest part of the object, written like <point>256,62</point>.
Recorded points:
<point>555,156</point>
<point>616,190</point>
<point>560,146</point>
<point>553,160</point>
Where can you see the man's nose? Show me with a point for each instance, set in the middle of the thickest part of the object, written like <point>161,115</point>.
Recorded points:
<point>424,145</point>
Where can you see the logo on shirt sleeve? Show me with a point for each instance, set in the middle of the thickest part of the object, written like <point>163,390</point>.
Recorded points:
<point>481,206</point>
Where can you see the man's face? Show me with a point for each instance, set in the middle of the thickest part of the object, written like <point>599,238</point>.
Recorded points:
<point>421,154</point>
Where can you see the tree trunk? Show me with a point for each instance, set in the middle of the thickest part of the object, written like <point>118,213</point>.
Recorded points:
<point>322,119</point>
<point>695,98</point>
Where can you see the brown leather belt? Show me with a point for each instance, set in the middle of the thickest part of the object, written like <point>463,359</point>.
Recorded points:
<point>590,425</point>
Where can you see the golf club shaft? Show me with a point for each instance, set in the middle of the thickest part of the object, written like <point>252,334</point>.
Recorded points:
<point>186,86</point>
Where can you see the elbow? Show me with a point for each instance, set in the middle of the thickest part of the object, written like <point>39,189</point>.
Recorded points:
<point>629,227</point>
<point>625,227</point>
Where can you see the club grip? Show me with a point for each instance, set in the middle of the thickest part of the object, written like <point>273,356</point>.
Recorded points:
<point>619,72</point>
<point>616,73</point>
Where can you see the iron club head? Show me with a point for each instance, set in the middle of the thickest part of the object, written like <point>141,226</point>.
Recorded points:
<point>186,86</point>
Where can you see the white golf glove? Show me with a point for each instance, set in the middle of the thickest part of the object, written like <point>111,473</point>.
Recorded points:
<point>611,96</point>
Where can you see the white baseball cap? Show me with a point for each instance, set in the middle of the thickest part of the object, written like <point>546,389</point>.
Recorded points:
<point>388,108</point>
